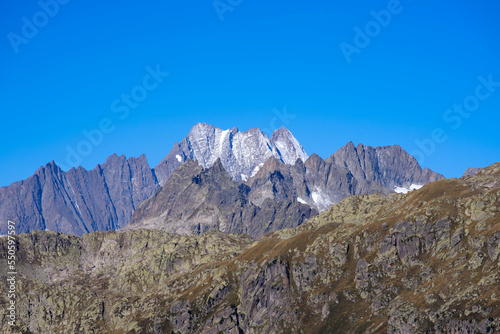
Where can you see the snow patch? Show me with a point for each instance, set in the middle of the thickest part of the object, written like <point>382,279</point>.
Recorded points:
<point>242,152</point>
<point>221,142</point>
<point>178,157</point>
<point>244,177</point>
<point>78,208</point>
<point>76,204</point>
<point>256,169</point>
<point>416,186</point>
<point>301,200</point>
<point>321,199</point>
<point>403,190</point>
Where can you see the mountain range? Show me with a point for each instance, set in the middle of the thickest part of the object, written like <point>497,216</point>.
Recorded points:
<point>195,200</point>
<point>423,262</point>
<point>241,153</point>
<point>268,175</point>
<point>78,201</point>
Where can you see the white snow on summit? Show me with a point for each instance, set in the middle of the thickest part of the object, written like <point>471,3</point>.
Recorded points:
<point>241,153</point>
<point>288,146</point>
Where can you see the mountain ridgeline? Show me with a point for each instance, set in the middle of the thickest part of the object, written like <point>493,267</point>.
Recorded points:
<point>241,153</point>
<point>423,262</point>
<point>78,201</point>
<point>195,200</point>
<point>249,183</point>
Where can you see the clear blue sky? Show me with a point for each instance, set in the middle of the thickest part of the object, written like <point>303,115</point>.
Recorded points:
<point>68,74</point>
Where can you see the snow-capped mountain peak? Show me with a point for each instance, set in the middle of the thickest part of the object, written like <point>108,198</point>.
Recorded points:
<point>241,153</point>
<point>289,147</point>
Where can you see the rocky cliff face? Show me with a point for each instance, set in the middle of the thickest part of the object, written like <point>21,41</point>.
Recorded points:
<point>315,182</point>
<point>195,200</point>
<point>78,201</point>
<point>350,171</point>
<point>423,262</point>
<point>241,153</point>
<point>388,166</point>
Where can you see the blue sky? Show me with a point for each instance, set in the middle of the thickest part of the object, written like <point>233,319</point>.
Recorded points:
<point>68,67</point>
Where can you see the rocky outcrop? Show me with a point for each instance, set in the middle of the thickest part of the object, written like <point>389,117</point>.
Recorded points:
<point>423,262</point>
<point>471,172</point>
<point>78,201</point>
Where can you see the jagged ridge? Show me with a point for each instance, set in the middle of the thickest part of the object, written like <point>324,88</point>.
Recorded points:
<point>241,153</point>
<point>81,201</point>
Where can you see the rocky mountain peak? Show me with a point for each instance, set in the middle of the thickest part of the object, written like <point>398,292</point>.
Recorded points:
<point>314,162</point>
<point>424,262</point>
<point>390,166</point>
<point>196,199</point>
<point>272,164</point>
<point>200,129</point>
<point>217,175</point>
<point>241,153</point>
<point>274,169</point>
<point>79,201</point>
<point>350,171</point>
<point>50,167</point>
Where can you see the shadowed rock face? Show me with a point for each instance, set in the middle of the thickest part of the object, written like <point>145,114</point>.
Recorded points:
<point>195,200</point>
<point>424,262</point>
<point>78,201</point>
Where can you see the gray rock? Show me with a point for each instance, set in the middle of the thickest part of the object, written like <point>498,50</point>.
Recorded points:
<point>282,178</point>
<point>195,200</point>
<point>78,201</point>
<point>241,153</point>
<point>471,172</point>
